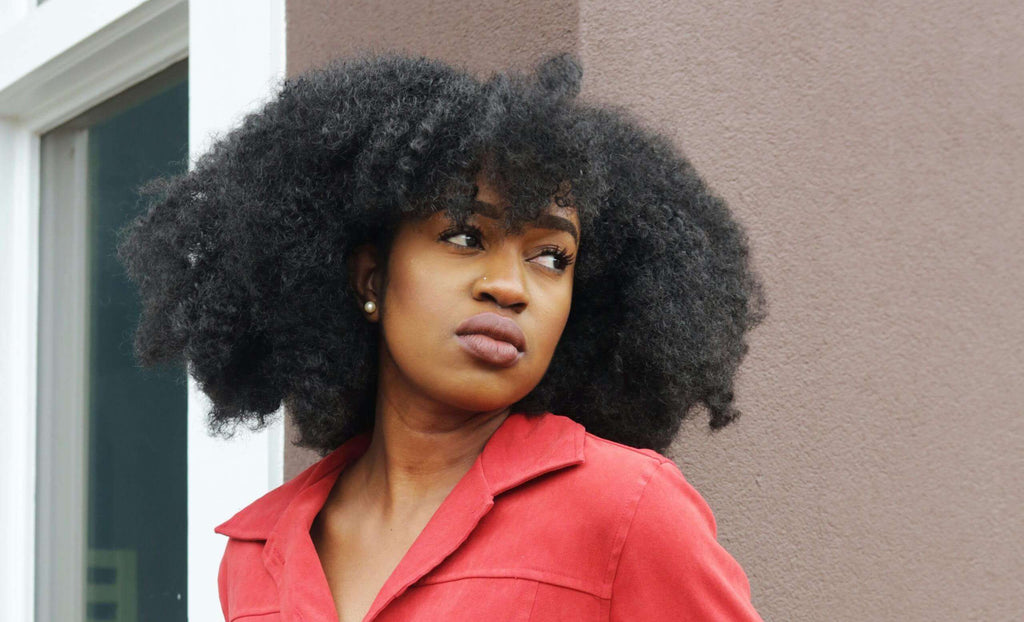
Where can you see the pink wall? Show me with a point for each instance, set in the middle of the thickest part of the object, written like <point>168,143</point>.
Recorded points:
<point>876,156</point>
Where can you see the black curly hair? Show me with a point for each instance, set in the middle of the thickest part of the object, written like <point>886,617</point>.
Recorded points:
<point>241,263</point>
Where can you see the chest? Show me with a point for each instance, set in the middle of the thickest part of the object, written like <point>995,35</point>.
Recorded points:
<point>357,559</point>
<point>510,569</point>
<point>515,558</point>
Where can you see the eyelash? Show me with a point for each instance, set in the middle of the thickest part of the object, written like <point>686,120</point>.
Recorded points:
<point>562,257</point>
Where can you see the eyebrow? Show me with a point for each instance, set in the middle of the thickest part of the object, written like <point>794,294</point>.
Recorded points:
<point>544,221</point>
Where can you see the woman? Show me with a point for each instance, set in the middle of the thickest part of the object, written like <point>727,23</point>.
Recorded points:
<point>488,306</point>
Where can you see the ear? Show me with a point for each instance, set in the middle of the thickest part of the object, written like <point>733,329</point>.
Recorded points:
<point>364,275</point>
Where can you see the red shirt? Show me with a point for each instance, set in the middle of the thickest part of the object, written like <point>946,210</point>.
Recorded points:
<point>550,523</point>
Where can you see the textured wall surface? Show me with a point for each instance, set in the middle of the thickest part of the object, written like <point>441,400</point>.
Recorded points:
<point>485,36</point>
<point>875,154</point>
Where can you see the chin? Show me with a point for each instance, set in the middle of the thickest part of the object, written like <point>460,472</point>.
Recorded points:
<point>477,396</point>
<point>479,403</point>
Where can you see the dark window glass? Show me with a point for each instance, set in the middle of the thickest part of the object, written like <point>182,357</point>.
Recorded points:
<point>129,557</point>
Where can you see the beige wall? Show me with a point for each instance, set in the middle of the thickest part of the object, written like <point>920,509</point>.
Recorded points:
<point>486,35</point>
<point>876,156</point>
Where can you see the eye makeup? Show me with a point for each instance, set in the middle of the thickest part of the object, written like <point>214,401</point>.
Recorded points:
<point>563,258</point>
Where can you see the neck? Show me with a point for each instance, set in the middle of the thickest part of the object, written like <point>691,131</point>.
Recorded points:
<point>411,462</point>
<point>419,450</point>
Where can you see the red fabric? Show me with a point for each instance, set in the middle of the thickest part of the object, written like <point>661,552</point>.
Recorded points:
<point>550,523</point>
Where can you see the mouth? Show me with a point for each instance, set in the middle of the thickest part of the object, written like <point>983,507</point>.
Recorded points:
<point>492,338</point>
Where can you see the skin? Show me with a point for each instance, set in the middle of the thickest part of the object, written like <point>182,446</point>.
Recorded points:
<point>437,405</point>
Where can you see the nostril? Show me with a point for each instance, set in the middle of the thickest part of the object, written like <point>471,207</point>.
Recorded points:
<point>505,293</point>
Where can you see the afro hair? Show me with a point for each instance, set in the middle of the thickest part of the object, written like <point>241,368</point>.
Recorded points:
<point>241,262</point>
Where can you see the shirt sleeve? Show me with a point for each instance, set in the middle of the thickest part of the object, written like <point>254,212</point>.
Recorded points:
<point>671,566</point>
<point>222,583</point>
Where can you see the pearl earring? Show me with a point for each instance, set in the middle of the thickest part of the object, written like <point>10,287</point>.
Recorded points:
<point>369,306</point>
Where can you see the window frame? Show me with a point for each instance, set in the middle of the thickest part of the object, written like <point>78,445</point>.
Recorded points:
<point>65,58</point>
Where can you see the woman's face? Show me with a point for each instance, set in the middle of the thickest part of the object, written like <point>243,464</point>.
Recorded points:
<point>447,288</point>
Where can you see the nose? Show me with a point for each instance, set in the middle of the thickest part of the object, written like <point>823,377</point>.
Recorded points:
<point>503,279</point>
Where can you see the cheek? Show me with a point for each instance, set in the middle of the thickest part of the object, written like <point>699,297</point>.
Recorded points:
<point>552,317</point>
<point>417,303</point>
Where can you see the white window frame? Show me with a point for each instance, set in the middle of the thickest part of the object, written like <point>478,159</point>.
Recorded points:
<point>60,59</point>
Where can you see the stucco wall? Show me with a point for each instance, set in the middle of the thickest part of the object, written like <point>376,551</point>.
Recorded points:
<point>486,35</point>
<point>875,154</point>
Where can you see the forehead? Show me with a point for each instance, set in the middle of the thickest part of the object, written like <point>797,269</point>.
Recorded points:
<point>554,218</point>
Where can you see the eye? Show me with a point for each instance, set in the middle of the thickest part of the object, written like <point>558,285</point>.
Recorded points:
<point>556,258</point>
<point>561,259</point>
<point>469,234</point>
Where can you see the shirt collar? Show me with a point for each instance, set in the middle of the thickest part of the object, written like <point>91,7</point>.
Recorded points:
<point>523,447</point>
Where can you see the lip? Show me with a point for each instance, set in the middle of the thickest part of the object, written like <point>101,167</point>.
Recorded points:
<point>492,338</point>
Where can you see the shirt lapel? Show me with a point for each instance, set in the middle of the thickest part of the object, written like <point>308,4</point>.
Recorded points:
<point>289,554</point>
<point>522,448</point>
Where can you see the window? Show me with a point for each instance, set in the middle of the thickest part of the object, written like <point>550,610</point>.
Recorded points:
<point>111,519</point>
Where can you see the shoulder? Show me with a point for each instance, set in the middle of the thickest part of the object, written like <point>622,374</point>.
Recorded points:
<point>663,485</point>
<point>256,520</point>
<point>666,555</point>
<point>603,453</point>
<point>644,497</point>
<point>245,583</point>
<point>621,520</point>
<point>636,474</point>
<point>602,489</point>
<point>661,510</point>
